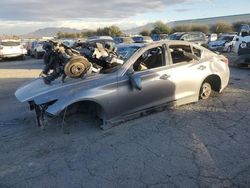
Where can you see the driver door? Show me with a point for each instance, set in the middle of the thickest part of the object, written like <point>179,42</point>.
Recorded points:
<point>156,87</point>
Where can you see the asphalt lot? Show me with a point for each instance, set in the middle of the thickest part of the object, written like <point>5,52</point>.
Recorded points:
<point>206,144</point>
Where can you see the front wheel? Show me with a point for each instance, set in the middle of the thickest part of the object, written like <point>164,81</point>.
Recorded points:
<point>22,57</point>
<point>205,90</point>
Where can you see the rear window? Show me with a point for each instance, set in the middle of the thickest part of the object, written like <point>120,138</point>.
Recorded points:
<point>138,39</point>
<point>227,38</point>
<point>10,43</point>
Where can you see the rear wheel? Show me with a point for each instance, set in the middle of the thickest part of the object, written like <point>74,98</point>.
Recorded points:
<point>36,55</point>
<point>22,57</point>
<point>205,90</point>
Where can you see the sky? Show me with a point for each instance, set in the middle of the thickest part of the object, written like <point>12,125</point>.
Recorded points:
<point>25,16</point>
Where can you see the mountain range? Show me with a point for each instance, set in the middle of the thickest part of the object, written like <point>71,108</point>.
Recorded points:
<point>52,31</point>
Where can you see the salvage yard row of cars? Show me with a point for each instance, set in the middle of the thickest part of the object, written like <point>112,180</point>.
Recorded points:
<point>223,43</point>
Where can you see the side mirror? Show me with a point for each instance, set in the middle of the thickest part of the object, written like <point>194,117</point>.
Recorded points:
<point>237,39</point>
<point>130,71</point>
<point>135,81</point>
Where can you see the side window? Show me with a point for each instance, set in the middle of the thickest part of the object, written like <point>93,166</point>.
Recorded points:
<point>190,37</point>
<point>197,52</point>
<point>186,37</point>
<point>150,59</point>
<point>202,36</point>
<point>195,37</point>
<point>180,53</point>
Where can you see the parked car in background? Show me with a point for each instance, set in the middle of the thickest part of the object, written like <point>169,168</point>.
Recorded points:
<point>152,75</point>
<point>126,40</point>
<point>196,37</point>
<point>224,43</point>
<point>142,39</point>
<point>242,46</point>
<point>69,43</point>
<point>106,42</point>
<point>211,37</point>
<point>36,49</point>
<point>157,37</point>
<point>12,48</point>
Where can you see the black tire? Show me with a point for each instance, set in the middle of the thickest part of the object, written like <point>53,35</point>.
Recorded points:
<point>205,90</point>
<point>22,57</point>
<point>36,55</point>
<point>28,53</point>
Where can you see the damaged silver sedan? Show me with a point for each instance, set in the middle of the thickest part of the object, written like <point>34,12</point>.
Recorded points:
<point>152,76</point>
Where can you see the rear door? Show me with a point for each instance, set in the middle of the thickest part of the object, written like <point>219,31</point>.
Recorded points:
<point>186,72</point>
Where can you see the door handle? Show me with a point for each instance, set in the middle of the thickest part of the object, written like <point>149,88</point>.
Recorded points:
<point>202,67</point>
<point>164,77</point>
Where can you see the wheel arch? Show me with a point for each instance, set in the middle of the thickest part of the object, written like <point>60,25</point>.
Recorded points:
<point>215,82</point>
<point>87,106</point>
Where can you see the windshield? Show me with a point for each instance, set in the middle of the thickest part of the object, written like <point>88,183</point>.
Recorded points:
<point>226,38</point>
<point>138,39</point>
<point>125,52</point>
<point>175,37</point>
<point>10,43</point>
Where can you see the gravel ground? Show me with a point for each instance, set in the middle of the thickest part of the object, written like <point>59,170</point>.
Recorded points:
<point>205,144</point>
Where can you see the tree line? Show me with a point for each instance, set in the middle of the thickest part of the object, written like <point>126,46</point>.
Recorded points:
<point>113,31</point>
<point>158,28</point>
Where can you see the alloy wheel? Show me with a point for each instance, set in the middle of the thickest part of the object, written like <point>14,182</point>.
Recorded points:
<point>205,91</point>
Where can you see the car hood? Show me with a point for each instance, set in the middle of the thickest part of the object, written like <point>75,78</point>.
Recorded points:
<point>218,42</point>
<point>40,92</point>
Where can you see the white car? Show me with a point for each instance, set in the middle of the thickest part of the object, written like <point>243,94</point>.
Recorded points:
<point>12,48</point>
<point>212,37</point>
<point>69,43</point>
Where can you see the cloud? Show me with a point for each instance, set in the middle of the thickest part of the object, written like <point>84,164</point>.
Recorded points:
<point>56,10</point>
<point>24,16</point>
<point>182,10</point>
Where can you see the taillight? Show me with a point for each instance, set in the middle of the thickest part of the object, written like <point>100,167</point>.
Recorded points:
<point>225,60</point>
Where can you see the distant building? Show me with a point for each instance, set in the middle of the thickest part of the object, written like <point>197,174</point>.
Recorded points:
<point>211,21</point>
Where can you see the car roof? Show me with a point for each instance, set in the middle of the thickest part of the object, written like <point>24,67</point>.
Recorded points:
<point>157,43</point>
<point>188,32</point>
<point>94,38</point>
<point>10,40</point>
<point>139,45</point>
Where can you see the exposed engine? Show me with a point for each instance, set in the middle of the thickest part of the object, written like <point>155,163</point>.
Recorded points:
<point>63,61</point>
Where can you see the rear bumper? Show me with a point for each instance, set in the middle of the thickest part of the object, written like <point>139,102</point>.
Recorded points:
<point>11,55</point>
<point>243,59</point>
<point>217,48</point>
